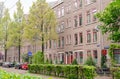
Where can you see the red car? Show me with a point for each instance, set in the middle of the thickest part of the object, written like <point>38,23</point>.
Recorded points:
<point>24,66</point>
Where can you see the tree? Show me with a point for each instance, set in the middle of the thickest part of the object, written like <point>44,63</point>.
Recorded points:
<point>41,23</point>
<point>4,31</point>
<point>17,28</point>
<point>38,58</point>
<point>110,19</point>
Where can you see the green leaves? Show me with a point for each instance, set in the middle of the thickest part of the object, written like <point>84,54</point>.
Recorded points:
<point>41,23</point>
<point>38,58</point>
<point>6,75</point>
<point>110,20</point>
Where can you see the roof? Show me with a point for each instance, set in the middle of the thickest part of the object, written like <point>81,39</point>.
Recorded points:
<point>55,3</point>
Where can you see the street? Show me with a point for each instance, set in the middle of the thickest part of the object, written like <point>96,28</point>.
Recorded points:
<point>43,76</point>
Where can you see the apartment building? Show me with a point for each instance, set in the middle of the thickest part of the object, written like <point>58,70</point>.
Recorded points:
<point>79,36</point>
<point>78,33</point>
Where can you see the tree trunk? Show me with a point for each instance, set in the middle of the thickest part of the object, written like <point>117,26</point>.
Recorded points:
<point>5,54</point>
<point>19,53</point>
<point>19,50</point>
<point>42,44</point>
<point>42,30</point>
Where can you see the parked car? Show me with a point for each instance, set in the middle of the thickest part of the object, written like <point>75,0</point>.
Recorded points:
<point>11,64</point>
<point>6,64</point>
<point>1,63</point>
<point>18,66</point>
<point>24,66</point>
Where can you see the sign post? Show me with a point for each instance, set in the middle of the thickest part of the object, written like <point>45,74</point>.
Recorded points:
<point>29,55</point>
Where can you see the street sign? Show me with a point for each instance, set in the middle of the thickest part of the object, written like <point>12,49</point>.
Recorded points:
<point>29,53</point>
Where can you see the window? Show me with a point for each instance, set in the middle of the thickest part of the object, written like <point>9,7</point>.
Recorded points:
<point>62,41</point>
<point>68,23</point>
<point>50,44</point>
<point>62,27</point>
<point>50,57</point>
<point>94,35</point>
<point>81,57</point>
<point>75,4</point>
<point>80,3</point>
<point>93,13</point>
<point>88,17</point>
<point>116,53</point>
<point>59,42</point>
<point>57,29</point>
<point>80,20</point>
<point>62,11</point>
<point>68,8</point>
<point>88,1</point>
<point>68,39</point>
<point>80,38</point>
<point>75,21</point>
<point>59,13</point>
<point>46,45</point>
<point>54,43</point>
<point>88,37</point>
<point>88,53</point>
<point>61,58</point>
<point>76,39</point>
<point>95,55</point>
<point>93,0</point>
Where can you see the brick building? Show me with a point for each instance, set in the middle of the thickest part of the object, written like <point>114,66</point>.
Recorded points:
<point>79,36</point>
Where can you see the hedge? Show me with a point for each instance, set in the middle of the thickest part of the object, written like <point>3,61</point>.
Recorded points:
<point>115,71</point>
<point>67,71</point>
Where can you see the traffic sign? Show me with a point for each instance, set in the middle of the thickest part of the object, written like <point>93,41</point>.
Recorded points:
<point>29,53</point>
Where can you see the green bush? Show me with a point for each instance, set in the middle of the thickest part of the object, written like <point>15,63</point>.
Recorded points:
<point>115,71</point>
<point>38,58</point>
<point>72,76</point>
<point>74,62</point>
<point>90,61</point>
<point>89,72</point>
<point>68,71</point>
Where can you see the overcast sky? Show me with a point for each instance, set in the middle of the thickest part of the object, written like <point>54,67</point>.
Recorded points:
<point>11,4</point>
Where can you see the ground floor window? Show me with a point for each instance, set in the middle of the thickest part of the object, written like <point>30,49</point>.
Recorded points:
<point>95,55</point>
<point>117,55</point>
<point>81,57</point>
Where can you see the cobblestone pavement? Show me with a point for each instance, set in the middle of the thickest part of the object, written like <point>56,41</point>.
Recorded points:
<point>43,76</point>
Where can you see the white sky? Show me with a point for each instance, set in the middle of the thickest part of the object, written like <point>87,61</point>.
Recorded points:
<point>10,4</point>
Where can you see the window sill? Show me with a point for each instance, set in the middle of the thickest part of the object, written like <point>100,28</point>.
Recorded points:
<point>88,43</point>
<point>67,27</point>
<point>78,45</point>
<point>61,32</point>
<point>95,42</point>
<point>60,48</point>
<point>90,3</point>
<point>77,27</point>
<point>68,44</point>
<point>93,22</point>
